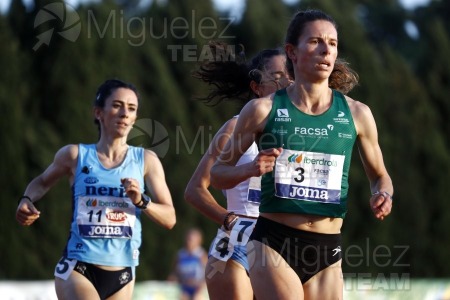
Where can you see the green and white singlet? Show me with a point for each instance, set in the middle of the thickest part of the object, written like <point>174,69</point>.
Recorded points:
<point>311,174</point>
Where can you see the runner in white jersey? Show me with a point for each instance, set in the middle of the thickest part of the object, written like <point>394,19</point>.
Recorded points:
<point>227,268</point>
<point>108,180</point>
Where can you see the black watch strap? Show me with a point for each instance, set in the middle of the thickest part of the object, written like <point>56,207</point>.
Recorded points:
<point>145,200</point>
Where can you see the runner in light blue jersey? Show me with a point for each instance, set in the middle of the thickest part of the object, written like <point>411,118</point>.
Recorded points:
<point>108,181</point>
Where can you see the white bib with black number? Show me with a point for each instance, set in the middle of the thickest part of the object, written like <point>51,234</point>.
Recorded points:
<point>309,176</point>
<point>105,217</point>
<point>223,245</point>
<point>64,267</point>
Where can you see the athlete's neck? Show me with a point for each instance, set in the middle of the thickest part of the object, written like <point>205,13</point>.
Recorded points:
<point>111,153</point>
<point>311,99</point>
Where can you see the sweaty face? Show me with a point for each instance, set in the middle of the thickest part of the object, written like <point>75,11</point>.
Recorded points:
<point>314,55</point>
<point>119,114</point>
<point>274,77</point>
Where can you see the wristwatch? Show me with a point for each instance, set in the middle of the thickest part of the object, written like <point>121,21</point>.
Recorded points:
<point>145,200</point>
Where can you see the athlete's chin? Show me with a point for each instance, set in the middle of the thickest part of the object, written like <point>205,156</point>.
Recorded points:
<point>324,72</point>
<point>121,134</point>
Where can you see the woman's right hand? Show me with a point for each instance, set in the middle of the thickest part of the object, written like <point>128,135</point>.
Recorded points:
<point>264,162</point>
<point>26,213</point>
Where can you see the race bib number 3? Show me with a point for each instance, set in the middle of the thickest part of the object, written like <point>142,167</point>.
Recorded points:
<point>309,176</point>
<point>105,217</point>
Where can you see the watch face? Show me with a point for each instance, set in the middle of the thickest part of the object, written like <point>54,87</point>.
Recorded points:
<point>146,198</point>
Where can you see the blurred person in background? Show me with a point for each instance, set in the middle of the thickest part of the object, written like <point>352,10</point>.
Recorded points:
<point>189,266</point>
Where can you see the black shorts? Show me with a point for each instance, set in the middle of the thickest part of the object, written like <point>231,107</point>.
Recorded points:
<point>307,253</point>
<point>105,282</point>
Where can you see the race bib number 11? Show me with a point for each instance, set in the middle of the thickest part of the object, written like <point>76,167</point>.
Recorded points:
<point>105,217</point>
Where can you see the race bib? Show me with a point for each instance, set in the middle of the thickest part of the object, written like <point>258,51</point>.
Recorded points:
<point>309,176</point>
<point>64,267</point>
<point>105,217</point>
<point>254,190</point>
<point>221,248</point>
<point>242,230</point>
<point>223,245</point>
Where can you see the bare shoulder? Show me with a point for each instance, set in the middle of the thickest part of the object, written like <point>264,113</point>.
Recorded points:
<point>153,168</point>
<point>362,117</point>
<point>65,161</point>
<point>228,126</point>
<point>152,162</point>
<point>150,156</point>
<point>258,108</point>
<point>262,104</point>
<point>359,110</point>
<point>68,153</point>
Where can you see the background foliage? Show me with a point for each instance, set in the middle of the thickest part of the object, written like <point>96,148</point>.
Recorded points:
<point>46,97</point>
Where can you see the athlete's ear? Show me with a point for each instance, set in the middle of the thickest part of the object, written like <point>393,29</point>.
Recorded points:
<point>255,88</point>
<point>289,49</point>
<point>98,112</point>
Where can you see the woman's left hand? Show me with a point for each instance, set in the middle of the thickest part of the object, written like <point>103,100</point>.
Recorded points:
<point>381,204</point>
<point>132,189</point>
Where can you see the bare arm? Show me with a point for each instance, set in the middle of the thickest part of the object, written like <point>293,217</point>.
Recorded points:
<point>372,159</point>
<point>197,192</point>
<point>64,163</point>
<point>252,119</point>
<point>161,209</point>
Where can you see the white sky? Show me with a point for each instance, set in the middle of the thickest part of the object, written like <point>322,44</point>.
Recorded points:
<point>235,6</point>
